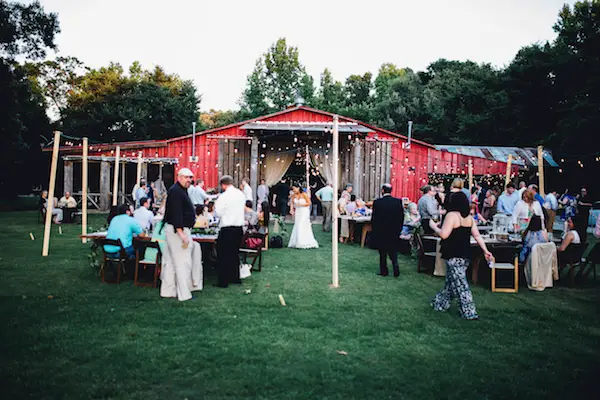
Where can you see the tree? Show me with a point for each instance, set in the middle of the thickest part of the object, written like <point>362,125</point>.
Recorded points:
<point>111,106</point>
<point>26,32</point>
<point>276,81</point>
<point>387,73</point>
<point>217,118</point>
<point>330,96</point>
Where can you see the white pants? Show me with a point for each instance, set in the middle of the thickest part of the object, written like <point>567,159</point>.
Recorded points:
<point>181,267</point>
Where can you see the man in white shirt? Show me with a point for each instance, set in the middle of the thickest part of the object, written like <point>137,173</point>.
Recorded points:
<point>551,205</point>
<point>246,189</point>
<point>262,192</point>
<point>143,215</point>
<point>229,207</point>
<point>522,188</point>
<point>67,201</point>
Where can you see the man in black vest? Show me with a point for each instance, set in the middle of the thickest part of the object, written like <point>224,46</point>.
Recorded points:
<point>387,221</point>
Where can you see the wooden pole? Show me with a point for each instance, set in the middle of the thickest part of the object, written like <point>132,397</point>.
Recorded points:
<point>508,170</point>
<point>139,169</point>
<point>123,181</point>
<point>541,170</point>
<point>470,174</point>
<point>84,188</point>
<point>116,177</point>
<point>51,186</point>
<point>307,172</point>
<point>334,209</point>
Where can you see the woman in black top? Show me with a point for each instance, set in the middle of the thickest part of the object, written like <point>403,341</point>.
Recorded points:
<point>456,251</point>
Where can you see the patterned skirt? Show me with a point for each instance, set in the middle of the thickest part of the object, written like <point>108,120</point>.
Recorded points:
<point>456,287</point>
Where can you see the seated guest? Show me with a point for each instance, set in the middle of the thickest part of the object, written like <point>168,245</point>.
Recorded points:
<point>210,213</point>
<point>361,209</point>
<point>57,212</point>
<point>440,194</point>
<point>265,214</point>
<point>508,200</point>
<point>489,205</point>
<point>351,205</point>
<point>428,208</point>
<point>412,220</point>
<point>532,235</point>
<point>477,217</point>
<point>571,235</point>
<point>67,201</point>
<point>140,193</point>
<point>123,227</point>
<point>143,215</point>
<point>250,216</point>
<point>201,218</point>
<point>525,209</point>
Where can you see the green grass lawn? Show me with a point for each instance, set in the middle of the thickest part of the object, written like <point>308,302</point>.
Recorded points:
<point>94,340</point>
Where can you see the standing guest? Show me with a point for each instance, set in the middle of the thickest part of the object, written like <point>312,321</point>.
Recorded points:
<point>245,187</point>
<point>526,208</point>
<point>440,195</point>
<point>140,193</point>
<point>458,185</point>
<point>551,205</point>
<point>325,196</point>
<point>346,193</point>
<point>474,200</point>
<point>489,205</point>
<point>456,235</point>
<point>230,210</point>
<point>428,208</point>
<point>210,212</point>
<point>522,188</point>
<point>67,201</point>
<point>387,222</point>
<point>152,193</point>
<point>508,200</point>
<point>262,192</point>
<point>143,215</point>
<point>57,212</point>
<point>122,227</point>
<point>584,205</point>
<point>536,194</point>
<point>281,197</point>
<point>197,194</point>
<point>570,204</point>
<point>182,273</point>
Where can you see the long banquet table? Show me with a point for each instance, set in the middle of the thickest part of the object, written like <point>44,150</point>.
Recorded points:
<point>196,237</point>
<point>366,226</point>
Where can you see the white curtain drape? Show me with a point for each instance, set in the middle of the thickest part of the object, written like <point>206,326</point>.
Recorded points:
<point>276,167</point>
<point>324,165</point>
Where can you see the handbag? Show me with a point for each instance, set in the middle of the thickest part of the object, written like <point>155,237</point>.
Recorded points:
<point>245,271</point>
<point>253,243</point>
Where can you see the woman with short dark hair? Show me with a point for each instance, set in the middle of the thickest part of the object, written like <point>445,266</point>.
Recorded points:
<point>456,232</point>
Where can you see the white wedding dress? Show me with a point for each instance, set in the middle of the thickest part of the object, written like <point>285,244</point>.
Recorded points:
<point>302,234</point>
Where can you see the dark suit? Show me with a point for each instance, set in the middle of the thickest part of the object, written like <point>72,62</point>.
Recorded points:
<point>387,221</point>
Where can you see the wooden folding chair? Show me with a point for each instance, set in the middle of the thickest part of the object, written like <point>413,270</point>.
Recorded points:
<point>507,266</point>
<point>423,255</point>
<point>140,246</point>
<point>119,260</point>
<point>570,260</point>
<point>255,254</point>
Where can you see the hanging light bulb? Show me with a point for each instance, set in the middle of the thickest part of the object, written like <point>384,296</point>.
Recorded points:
<point>264,145</point>
<point>295,139</point>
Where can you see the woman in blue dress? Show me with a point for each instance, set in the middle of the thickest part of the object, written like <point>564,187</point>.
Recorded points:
<point>533,234</point>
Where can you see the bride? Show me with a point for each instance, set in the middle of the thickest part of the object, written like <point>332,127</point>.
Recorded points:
<point>302,234</point>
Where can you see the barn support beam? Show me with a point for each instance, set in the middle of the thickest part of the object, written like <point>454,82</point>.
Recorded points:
<point>104,185</point>
<point>357,169</point>
<point>145,172</point>
<point>388,163</point>
<point>254,166</point>
<point>68,177</point>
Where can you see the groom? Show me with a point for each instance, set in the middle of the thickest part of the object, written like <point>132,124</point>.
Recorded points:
<point>387,221</point>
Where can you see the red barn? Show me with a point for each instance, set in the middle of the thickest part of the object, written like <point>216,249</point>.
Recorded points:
<point>275,145</point>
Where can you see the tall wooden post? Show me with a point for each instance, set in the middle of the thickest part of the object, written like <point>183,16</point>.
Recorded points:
<point>68,177</point>
<point>139,169</point>
<point>104,185</point>
<point>334,206</point>
<point>307,160</point>
<point>51,187</point>
<point>116,177</point>
<point>358,169</point>
<point>254,167</point>
<point>470,166</point>
<point>540,150</point>
<point>84,188</point>
<point>508,170</point>
<point>123,181</point>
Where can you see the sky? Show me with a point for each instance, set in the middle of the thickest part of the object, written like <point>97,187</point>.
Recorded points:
<point>216,43</point>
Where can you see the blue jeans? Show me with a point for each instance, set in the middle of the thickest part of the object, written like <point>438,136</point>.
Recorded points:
<point>130,251</point>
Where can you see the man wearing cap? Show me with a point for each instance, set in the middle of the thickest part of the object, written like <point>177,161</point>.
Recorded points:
<point>229,207</point>
<point>182,266</point>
